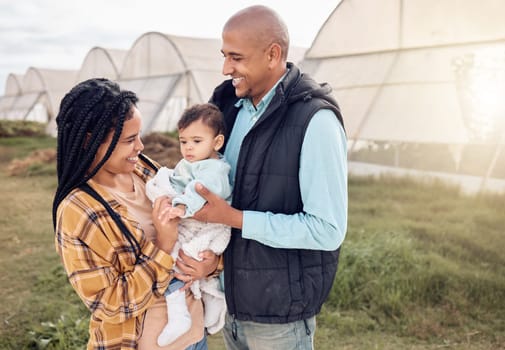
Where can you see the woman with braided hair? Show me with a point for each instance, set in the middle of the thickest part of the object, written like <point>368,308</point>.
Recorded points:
<point>114,244</point>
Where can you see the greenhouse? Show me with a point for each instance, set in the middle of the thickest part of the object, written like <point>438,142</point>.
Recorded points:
<point>419,85</point>
<point>37,95</point>
<point>12,91</point>
<point>168,73</point>
<point>102,62</point>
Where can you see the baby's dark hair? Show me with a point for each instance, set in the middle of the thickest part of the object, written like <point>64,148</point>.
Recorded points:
<point>91,110</point>
<point>208,113</point>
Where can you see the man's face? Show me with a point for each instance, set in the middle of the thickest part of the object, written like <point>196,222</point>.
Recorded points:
<point>246,61</point>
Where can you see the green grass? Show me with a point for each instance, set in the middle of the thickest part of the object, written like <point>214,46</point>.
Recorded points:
<point>20,147</point>
<point>422,267</point>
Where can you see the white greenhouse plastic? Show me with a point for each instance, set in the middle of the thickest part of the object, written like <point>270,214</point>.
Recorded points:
<point>102,63</point>
<point>168,73</point>
<point>417,71</point>
<point>37,96</point>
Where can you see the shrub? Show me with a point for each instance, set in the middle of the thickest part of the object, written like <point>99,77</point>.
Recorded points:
<point>14,128</point>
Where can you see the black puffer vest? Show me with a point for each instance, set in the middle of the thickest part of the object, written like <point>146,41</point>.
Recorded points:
<point>265,284</point>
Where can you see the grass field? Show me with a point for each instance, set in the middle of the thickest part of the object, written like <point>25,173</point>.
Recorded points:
<point>422,267</point>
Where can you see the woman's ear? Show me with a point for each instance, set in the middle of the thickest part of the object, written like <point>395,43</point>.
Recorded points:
<point>86,140</point>
<point>218,142</point>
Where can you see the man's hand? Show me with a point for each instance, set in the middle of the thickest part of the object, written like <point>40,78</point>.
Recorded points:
<point>217,209</point>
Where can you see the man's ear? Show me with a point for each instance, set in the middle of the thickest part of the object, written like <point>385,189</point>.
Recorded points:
<point>218,142</point>
<point>274,54</point>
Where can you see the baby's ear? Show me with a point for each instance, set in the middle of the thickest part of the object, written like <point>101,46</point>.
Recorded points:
<point>218,142</point>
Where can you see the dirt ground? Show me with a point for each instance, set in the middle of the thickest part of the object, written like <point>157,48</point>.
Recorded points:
<point>160,147</point>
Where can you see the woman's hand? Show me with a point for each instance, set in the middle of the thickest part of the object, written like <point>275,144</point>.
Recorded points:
<point>191,269</point>
<point>166,228</point>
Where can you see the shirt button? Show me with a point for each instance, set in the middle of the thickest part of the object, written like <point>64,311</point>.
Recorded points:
<point>131,306</point>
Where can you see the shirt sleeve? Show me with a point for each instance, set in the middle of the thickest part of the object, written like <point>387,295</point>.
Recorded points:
<point>211,173</point>
<point>91,261</point>
<point>323,184</point>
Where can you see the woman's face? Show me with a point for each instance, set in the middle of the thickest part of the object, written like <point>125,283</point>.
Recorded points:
<point>125,155</point>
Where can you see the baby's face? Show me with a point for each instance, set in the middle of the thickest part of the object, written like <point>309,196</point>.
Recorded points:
<point>198,141</point>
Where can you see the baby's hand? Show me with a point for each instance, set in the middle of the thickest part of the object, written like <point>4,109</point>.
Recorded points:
<point>176,212</point>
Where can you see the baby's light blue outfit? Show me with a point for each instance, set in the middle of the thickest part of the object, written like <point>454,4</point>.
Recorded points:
<point>195,236</point>
<point>212,173</point>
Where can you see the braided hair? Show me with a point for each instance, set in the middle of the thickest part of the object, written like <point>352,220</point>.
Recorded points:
<point>91,110</point>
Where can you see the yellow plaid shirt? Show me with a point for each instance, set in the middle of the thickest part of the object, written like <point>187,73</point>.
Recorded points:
<point>101,266</point>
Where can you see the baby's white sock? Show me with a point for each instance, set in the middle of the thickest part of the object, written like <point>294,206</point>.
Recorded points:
<point>179,319</point>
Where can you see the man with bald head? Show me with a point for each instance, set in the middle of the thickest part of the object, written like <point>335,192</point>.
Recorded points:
<point>288,153</point>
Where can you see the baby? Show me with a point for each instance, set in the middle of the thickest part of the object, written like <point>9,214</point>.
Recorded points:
<point>201,135</point>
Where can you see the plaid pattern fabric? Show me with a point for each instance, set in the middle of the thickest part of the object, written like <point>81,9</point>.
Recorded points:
<point>100,264</point>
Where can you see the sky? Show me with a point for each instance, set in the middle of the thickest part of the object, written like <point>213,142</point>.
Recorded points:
<point>59,33</point>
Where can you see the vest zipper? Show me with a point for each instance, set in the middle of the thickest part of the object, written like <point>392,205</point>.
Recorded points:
<point>307,329</point>
<point>234,328</point>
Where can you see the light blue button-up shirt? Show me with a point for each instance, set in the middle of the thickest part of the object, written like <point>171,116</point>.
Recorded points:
<point>323,184</point>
